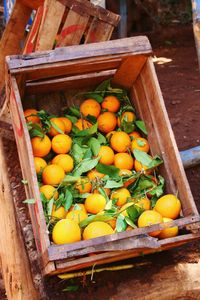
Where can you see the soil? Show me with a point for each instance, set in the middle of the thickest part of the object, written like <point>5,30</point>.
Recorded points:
<point>178,74</point>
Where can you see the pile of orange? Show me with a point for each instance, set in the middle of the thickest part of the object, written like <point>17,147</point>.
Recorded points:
<point>76,199</point>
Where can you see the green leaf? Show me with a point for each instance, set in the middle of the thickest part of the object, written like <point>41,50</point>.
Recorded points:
<point>134,212</point>
<point>94,144</point>
<point>140,143</point>
<point>71,288</point>
<point>56,127</point>
<point>93,95</point>
<point>29,201</point>
<point>103,218</point>
<point>70,179</point>
<point>86,132</point>
<point>155,162</point>
<point>142,157</point>
<point>103,86</point>
<point>141,125</point>
<point>130,222</point>
<point>71,118</point>
<point>87,154</point>
<point>128,127</point>
<point>85,166</point>
<point>101,138</point>
<point>111,171</point>
<point>74,111</point>
<point>121,224</point>
<point>112,184</point>
<point>50,206</point>
<point>35,130</point>
<point>77,152</point>
<point>68,199</point>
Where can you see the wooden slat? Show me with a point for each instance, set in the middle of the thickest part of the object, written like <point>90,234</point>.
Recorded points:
<point>85,7</point>
<point>73,29</point>
<point>14,261</point>
<point>129,70</point>
<point>98,31</point>
<point>34,4</point>
<point>127,46</point>
<point>50,26</point>
<point>26,158</point>
<point>108,257</point>
<point>13,36</point>
<point>166,139</point>
<point>57,252</point>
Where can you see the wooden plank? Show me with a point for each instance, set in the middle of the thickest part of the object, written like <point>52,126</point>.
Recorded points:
<point>98,31</point>
<point>60,84</point>
<point>89,8</point>
<point>127,46</point>
<point>26,158</point>
<point>50,26</point>
<point>108,257</point>
<point>166,139</point>
<point>15,264</point>
<point>73,29</point>
<point>33,34</point>
<point>57,252</point>
<point>13,35</point>
<point>129,70</point>
<point>34,4</point>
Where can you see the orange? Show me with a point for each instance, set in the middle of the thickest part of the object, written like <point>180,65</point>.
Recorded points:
<point>40,164</point>
<point>107,122</point>
<point>30,115</point>
<point>126,173</point>
<point>41,146</point>
<point>111,103</point>
<point>121,195</point>
<point>66,231</point>
<point>53,174</point>
<point>77,215</point>
<point>127,116</point>
<point>148,218</point>
<point>83,185</point>
<point>140,144</point>
<point>95,175</point>
<point>95,203</point>
<point>123,161</point>
<point>109,135</point>
<point>59,123</point>
<point>68,124</point>
<point>65,161</point>
<point>168,232</point>
<point>58,213</point>
<point>61,143</point>
<point>124,207</point>
<point>78,206</point>
<point>141,168</point>
<point>134,135</point>
<point>106,155</point>
<point>143,203</point>
<point>82,124</point>
<point>49,191</point>
<point>97,229</point>
<point>120,141</point>
<point>90,107</point>
<point>168,206</point>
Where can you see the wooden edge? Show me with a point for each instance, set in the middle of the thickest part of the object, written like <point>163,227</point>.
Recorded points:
<point>108,257</point>
<point>132,46</point>
<point>34,4</point>
<point>86,7</point>
<point>56,252</point>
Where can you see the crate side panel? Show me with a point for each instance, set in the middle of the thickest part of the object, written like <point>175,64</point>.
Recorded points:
<point>49,28</point>
<point>98,31</point>
<point>28,170</point>
<point>169,151</point>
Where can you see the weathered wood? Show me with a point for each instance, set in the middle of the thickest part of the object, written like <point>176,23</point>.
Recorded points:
<point>15,264</point>
<point>34,4</point>
<point>26,158</point>
<point>13,35</point>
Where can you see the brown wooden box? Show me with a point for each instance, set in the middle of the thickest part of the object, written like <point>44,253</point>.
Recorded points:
<point>43,76</point>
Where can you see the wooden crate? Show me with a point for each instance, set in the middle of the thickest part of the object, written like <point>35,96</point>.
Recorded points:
<point>46,76</point>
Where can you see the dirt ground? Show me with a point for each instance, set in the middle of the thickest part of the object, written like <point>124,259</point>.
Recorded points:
<point>178,75</point>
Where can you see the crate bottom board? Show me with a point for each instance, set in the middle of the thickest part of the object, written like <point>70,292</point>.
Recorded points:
<point>114,256</point>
